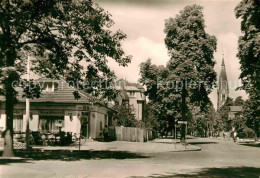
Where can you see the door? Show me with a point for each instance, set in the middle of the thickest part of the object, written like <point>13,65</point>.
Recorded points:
<point>85,127</point>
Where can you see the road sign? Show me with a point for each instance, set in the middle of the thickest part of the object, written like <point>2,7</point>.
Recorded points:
<point>182,122</point>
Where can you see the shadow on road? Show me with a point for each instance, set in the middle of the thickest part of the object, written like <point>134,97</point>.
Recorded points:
<point>202,143</point>
<point>217,172</point>
<point>251,144</point>
<point>66,155</point>
<point>8,161</point>
<point>170,138</point>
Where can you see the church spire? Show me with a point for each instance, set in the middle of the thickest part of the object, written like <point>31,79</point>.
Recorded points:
<point>223,63</point>
<point>223,91</point>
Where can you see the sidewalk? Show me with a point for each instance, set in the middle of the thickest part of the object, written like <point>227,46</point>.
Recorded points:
<point>155,146</point>
<point>239,140</point>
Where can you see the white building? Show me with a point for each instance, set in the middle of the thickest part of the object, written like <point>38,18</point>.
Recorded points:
<point>58,109</point>
<point>133,92</point>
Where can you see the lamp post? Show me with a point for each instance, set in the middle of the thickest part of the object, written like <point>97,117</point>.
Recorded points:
<point>27,133</point>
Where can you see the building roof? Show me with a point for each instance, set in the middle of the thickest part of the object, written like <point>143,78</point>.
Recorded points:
<point>123,84</point>
<point>236,108</point>
<point>223,75</point>
<point>63,94</point>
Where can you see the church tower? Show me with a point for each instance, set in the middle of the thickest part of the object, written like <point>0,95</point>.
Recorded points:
<point>223,91</point>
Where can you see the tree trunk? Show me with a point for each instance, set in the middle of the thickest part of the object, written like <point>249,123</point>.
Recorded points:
<point>183,128</point>
<point>9,108</point>
<point>257,135</point>
<point>183,112</point>
<point>10,94</point>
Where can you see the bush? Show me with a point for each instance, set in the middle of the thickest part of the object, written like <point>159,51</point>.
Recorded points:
<point>249,132</point>
<point>241,134</point>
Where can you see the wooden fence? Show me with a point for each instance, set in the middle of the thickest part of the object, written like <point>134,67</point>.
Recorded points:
<point>131,134</point>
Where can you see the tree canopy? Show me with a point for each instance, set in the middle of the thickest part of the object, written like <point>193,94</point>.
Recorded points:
<point>249,43</point>
<point>68,39</point>
<point>249,55</point>
<point>188,76</point>
<point>224,110</point>
<point>60,36</point>
<point>251,113</point>
<point>239,101</point>
<point>125,116</point>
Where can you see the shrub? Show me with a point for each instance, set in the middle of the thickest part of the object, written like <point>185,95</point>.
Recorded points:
<point>249,132</point>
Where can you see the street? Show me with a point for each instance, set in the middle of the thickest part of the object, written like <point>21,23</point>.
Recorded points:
<point>218,157</point>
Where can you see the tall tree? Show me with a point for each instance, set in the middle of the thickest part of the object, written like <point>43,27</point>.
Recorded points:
<point>163,105</point>
<point>219,125</point>
<point>249,43</point>
<point>202,122</point>
<point>224,110</point>
<point>251,113</point>
<point>68,39</point>
<point>189,75</point>
<point>150,120</point>
<point>249,54</point>
<point>191,50</point>
<point>125,116</point>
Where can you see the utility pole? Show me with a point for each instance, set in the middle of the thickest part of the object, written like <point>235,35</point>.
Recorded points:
<point>28,108</point>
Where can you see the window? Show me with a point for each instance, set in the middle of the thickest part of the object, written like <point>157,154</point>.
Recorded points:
<point>223,96</point>
<point>101,125</point>
<point>51,123</point>
<point>50,86</point>
<point>47,87</point>
<point>85,114</point>
<point>18,123</point>
<point>132,93</point>
<point>106,119</point>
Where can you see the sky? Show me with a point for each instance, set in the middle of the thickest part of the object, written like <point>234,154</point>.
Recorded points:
<point>143,23</point>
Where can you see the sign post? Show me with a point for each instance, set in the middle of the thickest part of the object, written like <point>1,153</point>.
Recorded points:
<point>182,122</point>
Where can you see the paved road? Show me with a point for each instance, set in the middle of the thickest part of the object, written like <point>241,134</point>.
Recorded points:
<point>219,158</point>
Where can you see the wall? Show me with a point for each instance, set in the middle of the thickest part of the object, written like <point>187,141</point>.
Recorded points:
<point>71,125</point>
<point>140,110</point>
<point>136,101</point>
<point>93,116</point>
<point>133,134</point>
<point>33,121</point>
<point>97,114</point>
<point>100,118</point>
<point>2,121</point>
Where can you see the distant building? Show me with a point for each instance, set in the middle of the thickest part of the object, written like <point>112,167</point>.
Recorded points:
<point>57,109</point>
<point>235,112</point>
<point>133,93</point>
<point>223,91</point>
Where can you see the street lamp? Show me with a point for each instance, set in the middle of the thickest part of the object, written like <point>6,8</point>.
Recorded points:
<point>27,132</point>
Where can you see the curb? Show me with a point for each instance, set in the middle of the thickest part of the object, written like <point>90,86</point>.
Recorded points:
<point>198,149</point>
<point>14,158</point>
